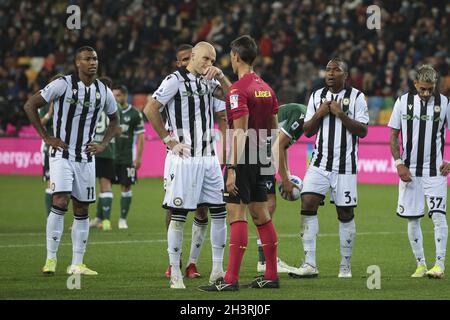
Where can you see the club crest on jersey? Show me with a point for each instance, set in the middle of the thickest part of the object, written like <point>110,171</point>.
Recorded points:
<point>437,108</point>
<point>346,101</point>
<point>178,202</point>
<point>97,95</point>
<point>234,98</point>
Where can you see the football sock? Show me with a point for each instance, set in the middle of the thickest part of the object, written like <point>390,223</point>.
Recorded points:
<point>80,234</point>
<point>199,228</point>
<point>347,231</point>
<point>269,243</point>
<point>309,231</point>
<point>175,240</point>
<point>238,244</point>
<point>416,240</point>
<point>54,230</point>
<point>125,203</point>
<point>218,235</point>
<point>261,257</point>
<point>106,204</point>
<point>440,237</point>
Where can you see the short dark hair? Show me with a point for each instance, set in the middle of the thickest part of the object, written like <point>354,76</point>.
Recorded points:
<point>83,48</point>
<point>246,47</point>
<point>106,80</point>
<point>184,46</point>
<point>121,88</point>
<point>340,62</point>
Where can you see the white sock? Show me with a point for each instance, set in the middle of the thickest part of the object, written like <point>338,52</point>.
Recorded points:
<point>199,228</point>
<point>309,231</point>
<point>54,231</point>
<point>440,237</point>
<point>347,231</point>
<point>80,234</point>
<point>175,244</point>
<point>218,234</point>
<point>416,240</point>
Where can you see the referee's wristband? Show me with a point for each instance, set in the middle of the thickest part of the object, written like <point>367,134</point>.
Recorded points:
<point>398,162</point>
<point>167,139</point>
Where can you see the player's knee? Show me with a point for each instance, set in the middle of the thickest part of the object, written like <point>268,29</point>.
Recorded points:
<point>61,201</point>
<point>201,213</point>
<point>345,214</point>
<point>439,220</point>
<point>311,202</point>
<point>81,210</point>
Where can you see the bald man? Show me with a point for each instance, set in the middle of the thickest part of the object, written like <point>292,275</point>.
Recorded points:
<point>192,174</point>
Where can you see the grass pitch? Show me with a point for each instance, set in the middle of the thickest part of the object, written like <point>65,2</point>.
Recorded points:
<point>131,263</point>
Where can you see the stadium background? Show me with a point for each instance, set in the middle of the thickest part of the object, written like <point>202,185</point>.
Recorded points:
<point>135,41</point>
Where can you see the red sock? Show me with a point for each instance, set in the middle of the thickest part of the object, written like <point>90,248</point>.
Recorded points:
<point>269,242</point>
<point>238,244</point>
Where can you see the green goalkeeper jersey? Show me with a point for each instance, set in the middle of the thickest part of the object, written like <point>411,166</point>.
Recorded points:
<point>132,124</point>
<point>290,120</point>
<point>100,130</point>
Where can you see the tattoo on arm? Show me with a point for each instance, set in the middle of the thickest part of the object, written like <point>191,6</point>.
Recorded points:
<point>395,149</point>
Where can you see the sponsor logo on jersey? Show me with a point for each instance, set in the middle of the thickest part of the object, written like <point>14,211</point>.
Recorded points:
<point>262,94</point>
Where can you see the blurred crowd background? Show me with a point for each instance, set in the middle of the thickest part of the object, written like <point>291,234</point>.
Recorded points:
<point>136,41</point>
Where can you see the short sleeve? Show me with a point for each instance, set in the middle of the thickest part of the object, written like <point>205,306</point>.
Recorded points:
<point>310,110</point>
<point>54,89</point>
<point>110,103</point>
<point>395,121</point>
<point>218,105</point>
<point>167,89</point>
<point>361,109</point>
<point>238,104</point>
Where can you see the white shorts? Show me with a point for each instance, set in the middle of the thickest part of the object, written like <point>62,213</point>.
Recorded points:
<point>411,196</point>
<point>343,187</point>
<point>192,182</point>
<point>76,178</point>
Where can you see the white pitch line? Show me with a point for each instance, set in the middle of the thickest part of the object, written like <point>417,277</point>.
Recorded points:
<point>96,243</point>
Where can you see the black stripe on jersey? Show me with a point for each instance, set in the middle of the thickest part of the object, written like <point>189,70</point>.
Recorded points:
<point>331,133</point>
<point>59,119</point>
<point>98,100</point>
<point>211,123</point>
<point>443,136</point>
<point>421,142</point>
<point>70,114</point>
<point>191,111</point>
<point>203,114</point>
<point>343,149</point>
<point>354,142</point>
<point>409,128</point>
<point>434,131</point>
<point>178,116</point>
<point>84,112</point>
<point>320,142</point>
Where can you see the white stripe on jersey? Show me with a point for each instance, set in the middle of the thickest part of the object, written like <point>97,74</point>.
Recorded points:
<point>423,138</point>
<point>328,154</point>
<point>77,109</point>
<point>190,106</point>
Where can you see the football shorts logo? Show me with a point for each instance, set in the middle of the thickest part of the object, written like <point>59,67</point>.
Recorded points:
<point>401,209</point>
<point>178,202</point>
<point>269,185</point>
<point>52,186</point>
<point>234,98</point>
<point>437,108</point>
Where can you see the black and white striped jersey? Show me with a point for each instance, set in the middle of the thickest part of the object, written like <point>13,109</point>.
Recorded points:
<point>336,148</point>
<point>77,109</point>
<point>422,128</point>
<point>188,108</point>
